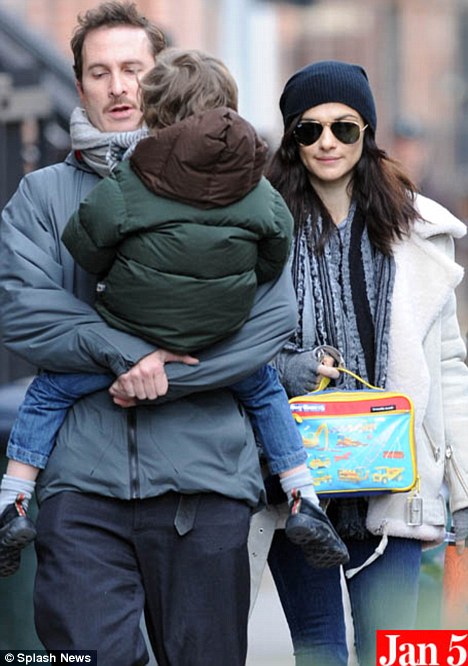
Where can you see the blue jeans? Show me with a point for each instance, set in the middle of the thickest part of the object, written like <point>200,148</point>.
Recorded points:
<point>50,395</point>
<point>266,403</point>
<point>43,410</point>
<point>383,595</point>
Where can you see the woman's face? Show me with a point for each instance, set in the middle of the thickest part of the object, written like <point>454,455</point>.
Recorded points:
<point>329,160</point>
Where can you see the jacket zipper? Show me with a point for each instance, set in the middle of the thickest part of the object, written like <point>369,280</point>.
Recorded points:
<point>451,460</point>
<point>133,454</point>
<point>436,452</point>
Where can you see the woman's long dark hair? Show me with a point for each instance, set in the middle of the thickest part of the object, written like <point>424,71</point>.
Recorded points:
<point>380,188</point>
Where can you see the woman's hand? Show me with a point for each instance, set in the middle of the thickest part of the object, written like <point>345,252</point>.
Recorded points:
<point>327,368</point>
<point>460,527</point>
<point>302,372</point>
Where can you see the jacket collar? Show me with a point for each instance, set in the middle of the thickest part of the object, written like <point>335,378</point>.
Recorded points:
<point>426,276</point>
<point>436,220</point>
<point>74,159</point>
<point>425,264</point>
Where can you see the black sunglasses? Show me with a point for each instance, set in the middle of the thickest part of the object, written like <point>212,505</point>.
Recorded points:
<point>308,132</point>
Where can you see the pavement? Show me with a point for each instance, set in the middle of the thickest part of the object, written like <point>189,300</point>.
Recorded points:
<point>269,639</point>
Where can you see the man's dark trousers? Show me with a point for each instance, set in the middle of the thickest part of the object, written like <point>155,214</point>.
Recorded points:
<point>182,559</point>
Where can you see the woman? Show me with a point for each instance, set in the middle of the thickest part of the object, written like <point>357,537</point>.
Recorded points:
<point>374,274</point>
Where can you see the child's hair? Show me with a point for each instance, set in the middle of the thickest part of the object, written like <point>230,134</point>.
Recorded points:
<point>183,83</point>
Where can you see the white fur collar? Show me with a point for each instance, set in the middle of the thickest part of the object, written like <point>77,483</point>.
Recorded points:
<point>436,220</point>
<point>425,278</point>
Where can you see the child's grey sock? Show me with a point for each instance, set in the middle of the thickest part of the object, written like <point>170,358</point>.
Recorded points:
<point>10,487</point>
<point>302,481</point>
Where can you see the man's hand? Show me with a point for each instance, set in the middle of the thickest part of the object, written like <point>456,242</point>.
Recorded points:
<point>147,380</point>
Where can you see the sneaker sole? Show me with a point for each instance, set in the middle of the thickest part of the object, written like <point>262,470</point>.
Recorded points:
<point>14,538</point>
<point>18,534</point>
<point>9,562</point>
<point>322,546</point>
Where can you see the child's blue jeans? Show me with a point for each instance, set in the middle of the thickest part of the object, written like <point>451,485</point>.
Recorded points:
<point>266,403</point>
<point>43,410</point>
<point>50,395</point>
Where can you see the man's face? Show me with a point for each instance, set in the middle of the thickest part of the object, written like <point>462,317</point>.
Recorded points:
<point>114,59</point>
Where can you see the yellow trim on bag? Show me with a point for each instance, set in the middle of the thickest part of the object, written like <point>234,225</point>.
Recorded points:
<point>335,395</point>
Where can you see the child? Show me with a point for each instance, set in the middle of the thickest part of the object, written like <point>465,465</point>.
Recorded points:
<point>183,232</point>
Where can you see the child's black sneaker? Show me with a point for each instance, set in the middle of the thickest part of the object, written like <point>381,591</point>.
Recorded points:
<point>309,527</point>
<point>16,532</point>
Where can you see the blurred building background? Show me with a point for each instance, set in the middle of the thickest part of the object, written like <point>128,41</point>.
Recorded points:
<point>415,53</point>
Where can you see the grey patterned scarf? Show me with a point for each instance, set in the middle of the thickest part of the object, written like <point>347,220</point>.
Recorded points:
<point>344,300</point>
<point>344,297</point>
<point>101,151</point>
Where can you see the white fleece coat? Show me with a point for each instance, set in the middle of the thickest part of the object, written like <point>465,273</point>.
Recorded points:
<point>426,361</point>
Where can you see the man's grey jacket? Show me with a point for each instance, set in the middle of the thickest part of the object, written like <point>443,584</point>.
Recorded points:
<point>198,439</point>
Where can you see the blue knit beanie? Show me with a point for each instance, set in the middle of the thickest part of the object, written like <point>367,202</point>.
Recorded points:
<point>328,81</point>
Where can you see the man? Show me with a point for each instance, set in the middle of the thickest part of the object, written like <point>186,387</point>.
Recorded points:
<point>148,507</point>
